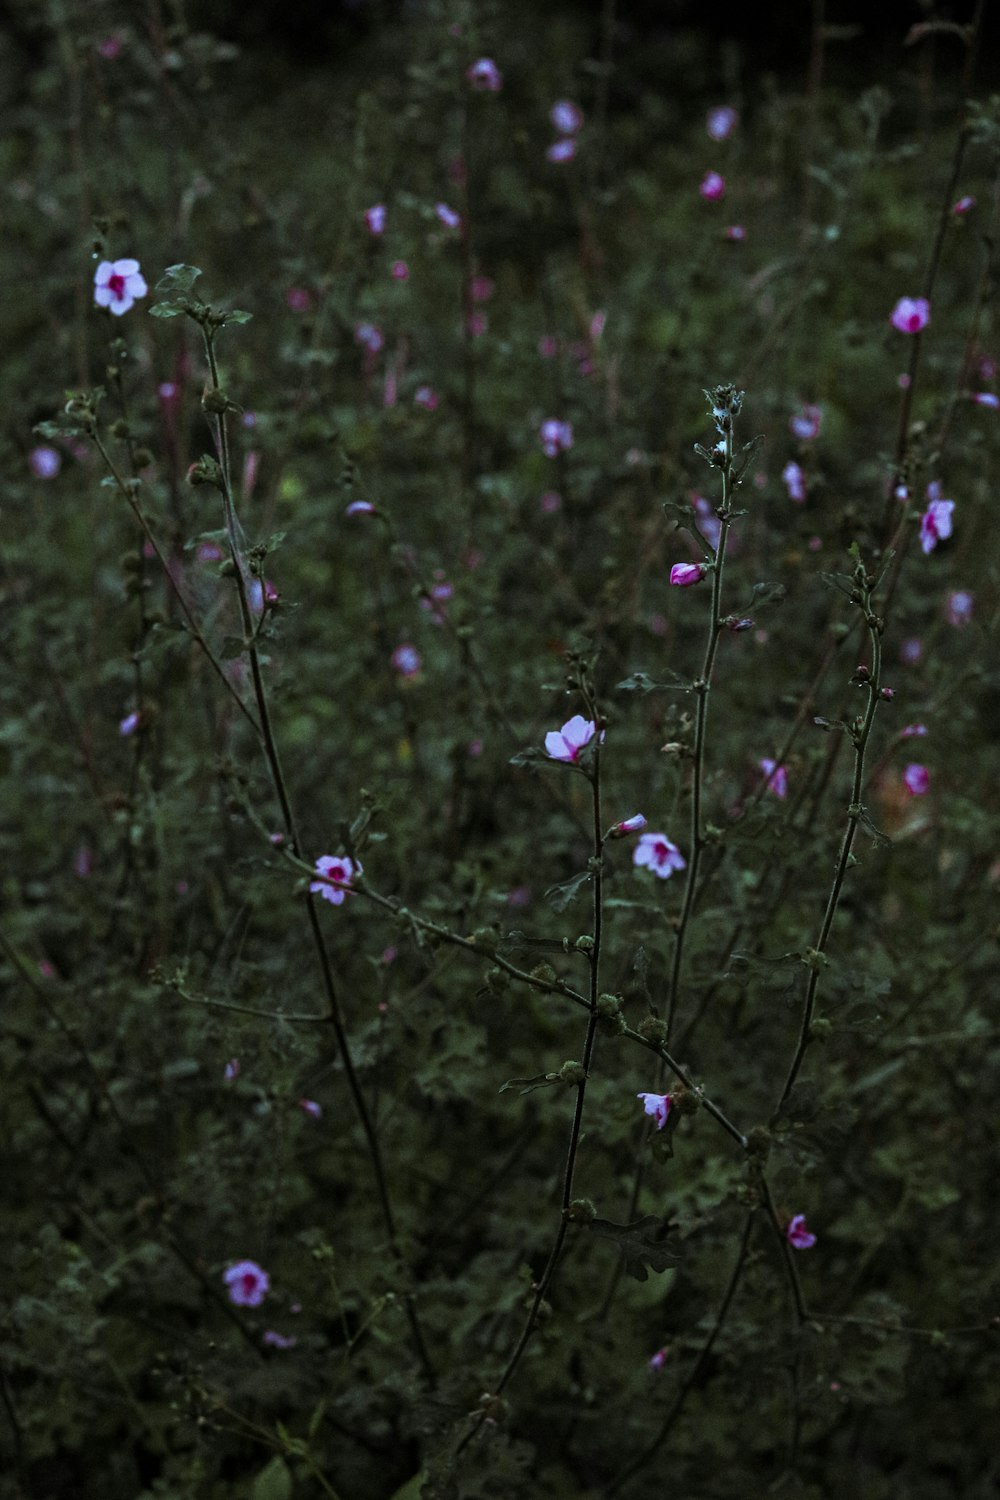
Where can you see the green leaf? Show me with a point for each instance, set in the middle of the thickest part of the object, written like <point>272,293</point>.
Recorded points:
<point>641,682</point>
<point>641,1243</point>
<point>179,278</point>
<point>237,315</point>
<point>168,309</point>
<point>767,593</point>
<point>411,1489</point>
<point>274,1482</point>
<point>528,1085</point>
<point>560,896</point>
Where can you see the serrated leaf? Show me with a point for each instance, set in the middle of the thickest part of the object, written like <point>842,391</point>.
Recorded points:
<point>560,896</point>
<point>274,1482</point>
<point>641,1243</point>
<point>179,278</point>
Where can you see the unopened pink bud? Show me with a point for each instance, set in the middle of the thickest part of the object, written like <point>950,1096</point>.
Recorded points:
<point>683,575</point>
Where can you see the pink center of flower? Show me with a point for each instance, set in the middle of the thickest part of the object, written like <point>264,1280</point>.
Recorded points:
<point>248,1281</point>
<point>116,286</point>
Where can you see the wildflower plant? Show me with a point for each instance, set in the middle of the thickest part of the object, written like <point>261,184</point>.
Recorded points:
<point>349,577</point>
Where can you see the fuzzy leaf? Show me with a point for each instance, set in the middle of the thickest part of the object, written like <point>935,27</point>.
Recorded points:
<point>641,1243</point>
<point>560,896</point>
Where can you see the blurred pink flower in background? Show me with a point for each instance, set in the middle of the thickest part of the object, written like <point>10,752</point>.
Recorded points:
<point>337,873</point>
<point>375,218</point>
<point>935,523</point>
<point>560,151</point>
<point>485,76</point>
<point>958,607</point>
<point>426,396</point>
<point>400,271</point>
<point>712,187</point>
<point>721,122</point>
<point>655,852</point>
<point>556,437</point>
<point>299,299</point>
<point>911,314</point>
<point>448,217</point>
<point>964,205</point>
<point>777,777</point>
<point>797,1235</point>
<point>248,1283</point>
<point>916,779</point>
<point>795,481</point>
<point>407,660</point>
<point>45,462</point>
<point>683,575</point>
<point>806,422</point>
<point>566,116</point>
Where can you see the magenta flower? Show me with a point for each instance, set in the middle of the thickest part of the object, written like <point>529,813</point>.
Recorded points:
<point>477,324</point>
<point>556,437</point>
<point>407,660</point>
<point>448,217</point>
<point>658,1360</point>
<point>959,606</point>
<point>400,271</point>
<point>337,872</point>
<point>567,742</point>
<point>916,779</point>
<point>777,777</point>
<point>248,1284</point>
<point>426,396</point>
<point>911,314</point>
<point>375,218</point>
<point>721,122</point>
<point>560,151</point>
<point>311,1108</point>
<point>935,523</point>
<point>117,284</point>
<point>655,852</point>
<point>360,508</point>
<point>481,288</point>
<point>712,187</point>
<point>369,336</point>
<point>736,233</point>
<point>913,731</point>
<point>299,299</point>
<point>566,116</point>
<point>484,76</point>
<point>805,424</point>
<point>683,575</point>
<point>45,462</point>
<point>110,47</point>
<point>657,1105</point>
<point>635,824</point>
<point>964,205</point>
<point>798,1235</point>
<point>795,481</point>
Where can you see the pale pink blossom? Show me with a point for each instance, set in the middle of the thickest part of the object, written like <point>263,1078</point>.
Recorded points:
<point>276,1340</point>
<point>964,205</point>
<point>658,1360</point>
<point>562,150</point>
<point>913,731</point>
<point>959,606</point>
<point>448,217</point>
<point>550,502</point>
<point>556,437</point>
<point>795,481</point>
<point>777,776</point>
<point>369,336</point>
<point>337,874</point>
<point>311,1108</point>
<point>111,46</point>
<point>712,187</point>
<point>117,284</point>
<point>655,852</point>
<point>735,232</point>
<point>232,1070</point>
<point>935,523</point>
<point>299,299</point>
<point>407,660</point>
<point>45,462</point>
<point>916,779</point>
<point>721,122</point>
<point>375,218</point>
<point>548,346</point>
<point>566,743</point>
<point>708,522</point>
<point>911,650</point>
<point>481,288</point>
<point>400,271</point>
<point>635,824</point>
<point>128,725</point>
<point>484,76</point>
<point>248,1283</point>
<point>987,398</point>
<point>683,575</point>
<point>360,508</point>
<point>805,423</point>
<point>797,1235</point>
<point>911,314</point>
<point>566,116</point>
<point>657,1106</point>
<point>426,396</point>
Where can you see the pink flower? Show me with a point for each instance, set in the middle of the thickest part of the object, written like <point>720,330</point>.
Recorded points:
<point>964,205</point>
<point>795,481</point>
<point>635,824</point>
<point>83,862</point>
<point>448,217</point>
<point>712,187</point>
<point>337,873</point>
<point>110,47</point>
<point>481,288</point>
<point>128,725</point>
<point>484,76</point>
<point>683,575</point>
<point>567,742</point>
<point>721,122</point>
<point>657,1105</point>
<point>400,271</point>
<point>550,502</point>
<point>45,462</point>
<point>375,218</point>
<point>935,523</point>
<point>805,424</point>
<point>959,607</point>
<point>987,367</point>
<point>916,779</point>
<point>736,233</point>
<point>548,346</point>
<point>987,398</point>
<point>911,314</point>
<point>913,731</point>
<point>299,299</point>
<point>658,1360</point>
<point>566,116</point>
<point>655,852</point>
<point>369,336</point>
<point>407,660</point>
<point>232,1070</point>
<point>311,1108</point>
<point>117,284</point>
<point>278,1340</point>
<point>561,151</point>
<point>360,508</point>
<point>426,396</point>
<point>556,437</point>
<point>248,1284</point>
<point>911,650</point>
<point>798,1235</point>
<point>777,777</point>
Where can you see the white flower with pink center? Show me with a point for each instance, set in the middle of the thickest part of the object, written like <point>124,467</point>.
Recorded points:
<point>658,1106</point>
<point>117,283</point>
<point>336,873</point>
<point>248,1283</point>
<point>566,743</point>
<point>655,852</point>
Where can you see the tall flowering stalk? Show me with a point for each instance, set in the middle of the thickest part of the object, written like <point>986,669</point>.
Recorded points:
<point>725,402</point>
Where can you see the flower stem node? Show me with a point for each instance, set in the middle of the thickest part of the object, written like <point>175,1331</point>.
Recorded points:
<point>205,471</point>
<point>759,1145</point>
<point>545,973</point>
<point>573,1073</point>
<point>609,1014</point>
<point>820,1029</point>
<point>814,959</point>
<point>581,1211</point>
<point>653,1029</point>
<point>584,945</point>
